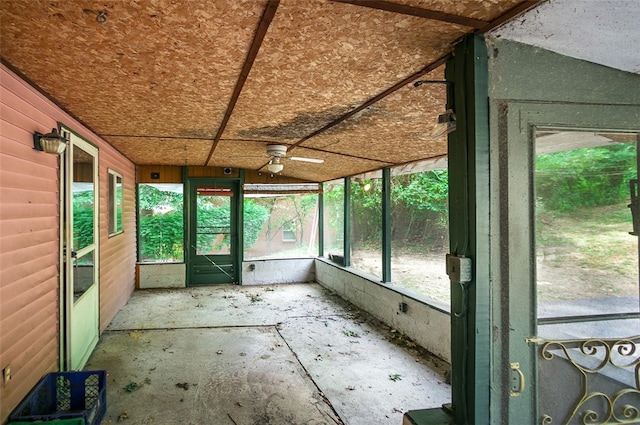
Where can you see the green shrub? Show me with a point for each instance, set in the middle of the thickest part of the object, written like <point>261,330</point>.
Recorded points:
<point>583,178</point>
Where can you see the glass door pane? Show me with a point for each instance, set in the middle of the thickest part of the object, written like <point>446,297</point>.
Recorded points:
<point>587,278</point>
<point>84,221</point>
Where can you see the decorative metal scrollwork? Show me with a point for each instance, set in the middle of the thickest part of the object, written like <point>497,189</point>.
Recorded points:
<point>600,353</point>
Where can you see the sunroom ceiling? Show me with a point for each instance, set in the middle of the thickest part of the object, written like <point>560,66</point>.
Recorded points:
<point>188,82</point>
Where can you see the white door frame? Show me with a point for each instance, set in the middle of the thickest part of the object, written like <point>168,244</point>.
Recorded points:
<point>79,316</point>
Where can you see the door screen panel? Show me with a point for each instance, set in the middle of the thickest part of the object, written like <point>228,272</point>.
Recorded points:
<point>213,221</point>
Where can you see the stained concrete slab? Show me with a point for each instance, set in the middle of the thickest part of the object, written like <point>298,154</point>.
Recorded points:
<point>273,355</point>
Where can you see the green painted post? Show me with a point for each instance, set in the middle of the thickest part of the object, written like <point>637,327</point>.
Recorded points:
<point>240,230</point>
<point>347,222</point>
<point>468,199</point>
<point>186,223</point>
<point>386,225</point>
<point>321,221</point>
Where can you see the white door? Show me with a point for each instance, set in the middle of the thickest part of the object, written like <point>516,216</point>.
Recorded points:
<point>80,292</point>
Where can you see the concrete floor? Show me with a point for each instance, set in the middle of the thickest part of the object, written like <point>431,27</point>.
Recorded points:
<point>284,354</point>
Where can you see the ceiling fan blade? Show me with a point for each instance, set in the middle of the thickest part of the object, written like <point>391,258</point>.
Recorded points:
<point>314,160</point>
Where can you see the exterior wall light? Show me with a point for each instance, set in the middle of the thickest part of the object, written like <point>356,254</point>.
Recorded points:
<point>445,125</point>
<point>51,142</point>
<point>447,121</point>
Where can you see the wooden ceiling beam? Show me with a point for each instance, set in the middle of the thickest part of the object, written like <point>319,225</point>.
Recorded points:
<point>375,99</point>
<point>263,27</point>
<point>419,12</point>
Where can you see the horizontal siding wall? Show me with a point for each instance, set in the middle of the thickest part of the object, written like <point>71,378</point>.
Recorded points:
<point>29,238</point>
<point>118,252</point>
<point>29,247</point>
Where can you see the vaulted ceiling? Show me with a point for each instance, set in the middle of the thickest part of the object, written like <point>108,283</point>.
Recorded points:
<point>201,82</point>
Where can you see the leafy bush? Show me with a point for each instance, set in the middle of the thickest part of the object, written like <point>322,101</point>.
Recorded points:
<point>419,210</point>
<point>583,178</point>
<point>82,225</point>
<point>254,218</point>
<point>161,236</point>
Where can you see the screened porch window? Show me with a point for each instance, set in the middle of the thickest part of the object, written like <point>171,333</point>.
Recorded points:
<point>161,222</point>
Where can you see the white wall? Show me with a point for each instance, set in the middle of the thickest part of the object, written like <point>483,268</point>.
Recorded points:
<point>426,324</point>
<point>273,271</point>
<point>169,275</point>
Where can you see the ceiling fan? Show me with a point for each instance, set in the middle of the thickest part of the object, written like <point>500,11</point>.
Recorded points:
<point>278,152</point>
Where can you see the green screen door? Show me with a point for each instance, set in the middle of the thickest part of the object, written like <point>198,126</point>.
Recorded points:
<point>213,230</point>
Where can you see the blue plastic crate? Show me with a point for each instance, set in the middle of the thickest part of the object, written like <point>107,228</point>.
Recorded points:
<point>77,421</point>
<point>66,395</point>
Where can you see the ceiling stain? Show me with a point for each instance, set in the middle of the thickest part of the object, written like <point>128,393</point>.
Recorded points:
<point>305,123</point>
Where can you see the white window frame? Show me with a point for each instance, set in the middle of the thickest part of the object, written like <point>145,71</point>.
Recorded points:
<point>113,206</point>
<point>290,228</point>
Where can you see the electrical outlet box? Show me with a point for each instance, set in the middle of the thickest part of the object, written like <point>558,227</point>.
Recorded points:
<point>459,269</point>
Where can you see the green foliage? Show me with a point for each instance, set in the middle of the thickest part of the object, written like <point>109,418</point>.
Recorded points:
<point>83,211</point>
<point>333,217</point>
<point>214,223</point>
<point>254,218</point>
<point>161,236</point>
<point>366,213</point>
<point>427,191</point>
<point>150,197</point>
<point>419,211</point>
<point>585,178</point>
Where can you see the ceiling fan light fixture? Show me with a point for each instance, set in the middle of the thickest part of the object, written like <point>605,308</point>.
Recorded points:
<point>445,125</point>
<point>274,166</point>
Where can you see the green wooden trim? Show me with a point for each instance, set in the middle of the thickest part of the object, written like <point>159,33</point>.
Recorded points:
<point>137,195</point>
<point>240,221</point>
<point>186,223</point>
<point>321,222</point>
<point>347,222</point>
<point>235,258</point>
<point>386,225</point>
<point>439,416</point>
<point>468,180</point>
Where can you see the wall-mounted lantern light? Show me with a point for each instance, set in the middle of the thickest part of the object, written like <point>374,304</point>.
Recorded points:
<point>51,142</point>
<point>446,121</point>
<point>445,125</point>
